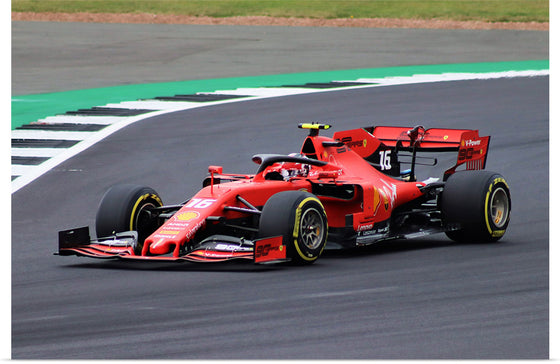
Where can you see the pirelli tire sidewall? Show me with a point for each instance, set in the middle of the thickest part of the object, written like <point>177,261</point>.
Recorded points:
<point>123,208</point>
<point>479,202</point>
<point>288,214</point>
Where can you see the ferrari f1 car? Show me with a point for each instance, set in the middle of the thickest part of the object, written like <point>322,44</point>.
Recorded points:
<point>343,191</point>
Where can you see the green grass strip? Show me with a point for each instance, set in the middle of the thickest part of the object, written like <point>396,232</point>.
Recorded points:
<point>486,10</point>
<point>30,108</point>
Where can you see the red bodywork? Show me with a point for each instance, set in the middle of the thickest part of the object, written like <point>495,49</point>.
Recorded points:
<point>353,174</point>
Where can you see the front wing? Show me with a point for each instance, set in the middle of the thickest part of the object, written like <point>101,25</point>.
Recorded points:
<point>217,248</point>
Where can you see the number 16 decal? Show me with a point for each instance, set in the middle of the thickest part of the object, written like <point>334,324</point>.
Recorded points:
<point>200,203</point>
<point>385,160</point>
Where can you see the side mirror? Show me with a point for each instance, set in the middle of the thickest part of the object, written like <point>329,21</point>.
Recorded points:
<point>215,169</point>
<point>212,170</point>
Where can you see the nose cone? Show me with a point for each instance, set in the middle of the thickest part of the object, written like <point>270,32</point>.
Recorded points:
<point>162,246</point>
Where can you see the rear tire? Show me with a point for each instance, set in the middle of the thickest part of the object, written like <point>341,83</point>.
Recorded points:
<point>127,208</point>
<point>301,220</point>
<point>479,202</point>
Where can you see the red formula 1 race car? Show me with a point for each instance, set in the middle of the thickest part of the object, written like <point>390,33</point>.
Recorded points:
<point>344,191</point>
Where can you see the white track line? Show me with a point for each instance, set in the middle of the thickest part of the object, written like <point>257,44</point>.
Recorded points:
<point>155,105</point>
<point>269,91</point>
<point>51,135</point>
<point>36,152</point>
<point>77,119</point>
<point>19,170</point>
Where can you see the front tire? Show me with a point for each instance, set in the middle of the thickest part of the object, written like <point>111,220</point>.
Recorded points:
<point>301,220</point>
<point>479,202</point>
<point>127,208</point>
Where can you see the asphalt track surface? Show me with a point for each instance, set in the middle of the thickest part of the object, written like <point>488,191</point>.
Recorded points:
<point>423,299</point>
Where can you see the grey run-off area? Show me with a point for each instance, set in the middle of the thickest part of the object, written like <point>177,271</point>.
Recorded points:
<point>51,57</point>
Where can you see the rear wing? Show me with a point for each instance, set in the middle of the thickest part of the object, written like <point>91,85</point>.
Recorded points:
<point>380,146</point>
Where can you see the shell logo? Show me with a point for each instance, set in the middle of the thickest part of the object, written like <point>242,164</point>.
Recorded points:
<point>186,216</point>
